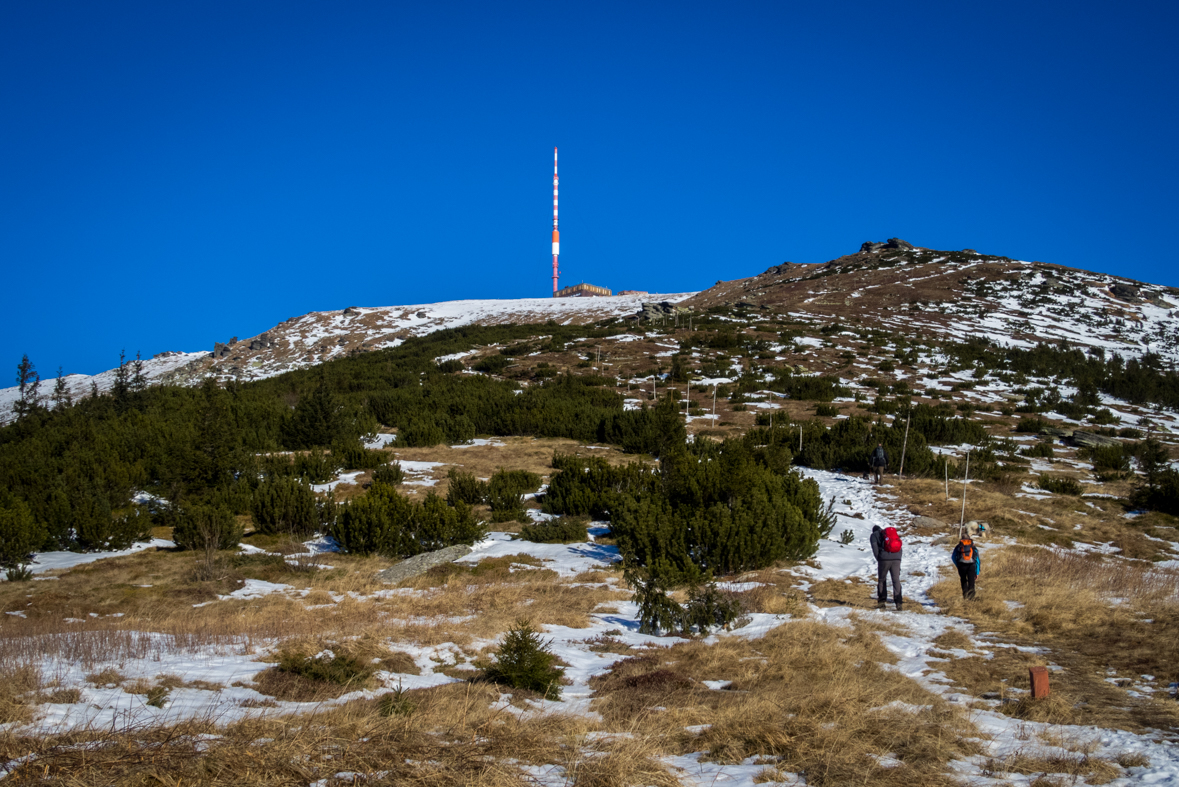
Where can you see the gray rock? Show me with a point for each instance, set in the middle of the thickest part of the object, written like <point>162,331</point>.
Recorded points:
<point>1127,292</point>
<point>352,311</point>
<point>928,521</point>
<point>1091,440</point>
<point>261,342</point>
<point>893,244</point>
<point>1053,431</point>
<point>420,564</point>
<point>220,350</point>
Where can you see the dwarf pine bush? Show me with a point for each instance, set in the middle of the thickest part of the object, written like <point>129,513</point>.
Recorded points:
<point>386,522</point>
<point>559,531</point>
<point>389,474</point>
<point>524,661</point>
<point>1061,485</point>
<point>285,505</point>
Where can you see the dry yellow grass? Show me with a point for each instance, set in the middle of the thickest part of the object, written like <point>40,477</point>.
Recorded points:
<point>1092,614</point>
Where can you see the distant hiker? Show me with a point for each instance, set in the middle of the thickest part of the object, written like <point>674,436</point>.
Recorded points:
<point>969,566</point>
<point>879,461</point>
<point>886,548</point>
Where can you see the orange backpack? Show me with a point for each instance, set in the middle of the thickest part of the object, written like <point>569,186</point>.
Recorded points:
<point>966,548</point>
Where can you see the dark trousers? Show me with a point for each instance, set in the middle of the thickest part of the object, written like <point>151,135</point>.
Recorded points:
<point>884,569</point>
<point>967,575</point>
<point>877,472</point>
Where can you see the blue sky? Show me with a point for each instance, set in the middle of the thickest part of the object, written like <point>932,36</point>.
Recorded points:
<point>174,174</point>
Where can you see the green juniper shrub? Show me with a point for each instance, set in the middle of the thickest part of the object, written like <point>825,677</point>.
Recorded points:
<point>1030,424</point>
<point>327,667</point>
<point>354,456</point>
<point>492,364</point>
<point>524,661</point>
<point>826,410</point>
<point>658,613</point>
<point>1109,458</point>
<point>1104,416</point>
<point>285,505</point>
<point>396,703</point>
<point>451,366</point>
<point>388,523</point>
<point>465,488</point>
<point>707,608</point>
<point>423,431</point>
<point>389,474</point>
<point>1041,450</point>
<point>198,526</point>
<point>1160,490</point>
<point>20,534</point>
<point>1061,485</point>
<point>564,530</point>
<point>316,466</point>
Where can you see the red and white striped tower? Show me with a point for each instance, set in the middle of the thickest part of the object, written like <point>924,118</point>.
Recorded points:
<point>556,235</point>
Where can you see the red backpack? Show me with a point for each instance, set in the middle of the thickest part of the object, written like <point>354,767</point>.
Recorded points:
<point>890,541</point>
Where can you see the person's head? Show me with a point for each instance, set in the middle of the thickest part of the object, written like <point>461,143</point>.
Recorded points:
<point>880,445</point>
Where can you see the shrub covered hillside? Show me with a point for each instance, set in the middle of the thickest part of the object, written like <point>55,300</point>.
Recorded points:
<point>74,470</point>
<point>709,508</point>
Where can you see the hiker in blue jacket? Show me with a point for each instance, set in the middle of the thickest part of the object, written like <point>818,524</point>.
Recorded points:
<point>966,560</point>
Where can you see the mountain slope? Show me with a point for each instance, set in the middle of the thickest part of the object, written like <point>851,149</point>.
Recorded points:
<point>963,294</point>
<point>320,336</point>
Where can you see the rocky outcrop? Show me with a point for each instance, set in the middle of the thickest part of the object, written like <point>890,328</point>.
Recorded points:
<point>1127,292</point>
<point>261,342</point>
<point>892,244</point>
<point>656,311</point>
<point>420,564</point>
<point>1091,440</point>
<point>220,349</point>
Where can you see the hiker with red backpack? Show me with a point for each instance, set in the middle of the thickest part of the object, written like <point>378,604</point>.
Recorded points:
<point>886,548</point>
<point>969,565</point>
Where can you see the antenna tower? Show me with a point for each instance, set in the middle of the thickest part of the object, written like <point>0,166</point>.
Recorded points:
<point>556,235</point>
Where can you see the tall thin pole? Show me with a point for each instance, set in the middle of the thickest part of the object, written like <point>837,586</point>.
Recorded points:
<point>714,404</point>
<point>905,445</point>
<point>556,235</point>
<point>965,479</point>
<point>946,463</point>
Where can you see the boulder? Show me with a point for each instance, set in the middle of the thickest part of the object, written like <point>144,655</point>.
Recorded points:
<point>352,311</point>
<point>220,350</point>
<point>420,564</point>
<point>930,522</point>
<point>1091,440</point>
<point>261,342</point>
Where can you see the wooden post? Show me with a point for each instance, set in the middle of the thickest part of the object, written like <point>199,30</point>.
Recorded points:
<point>800,438</point>
<point>905,445</point>
<point>946,462</point>
<point>1038,676</point>
<point>714,404</point>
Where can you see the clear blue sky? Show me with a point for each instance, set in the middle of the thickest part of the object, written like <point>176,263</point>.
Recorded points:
<point>172,174</point>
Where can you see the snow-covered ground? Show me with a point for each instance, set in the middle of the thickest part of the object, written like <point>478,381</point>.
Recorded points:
<point>858,506</point>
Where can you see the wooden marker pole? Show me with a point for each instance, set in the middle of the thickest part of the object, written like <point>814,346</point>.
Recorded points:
<point>946,462</point>
<point>714,404</point>
<point>905,445</point>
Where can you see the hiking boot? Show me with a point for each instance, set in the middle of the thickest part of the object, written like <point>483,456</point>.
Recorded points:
<point>899,606</point>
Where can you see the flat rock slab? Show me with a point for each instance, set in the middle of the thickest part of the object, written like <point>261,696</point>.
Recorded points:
<point>420,564</point>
